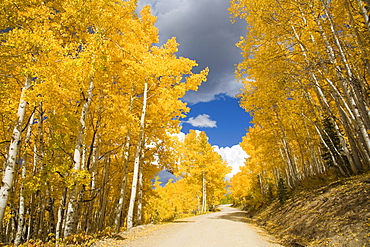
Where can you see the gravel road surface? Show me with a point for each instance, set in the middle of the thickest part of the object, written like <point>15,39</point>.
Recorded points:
<point>227,228</point>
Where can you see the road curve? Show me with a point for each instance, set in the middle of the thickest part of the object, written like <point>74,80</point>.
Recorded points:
<point>227,228</point>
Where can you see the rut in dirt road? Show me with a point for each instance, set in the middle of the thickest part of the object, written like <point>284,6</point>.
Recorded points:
<point>225,228</point>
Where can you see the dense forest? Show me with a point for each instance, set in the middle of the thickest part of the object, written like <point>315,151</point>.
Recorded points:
<point>306,83</point>
<point>90,109</point>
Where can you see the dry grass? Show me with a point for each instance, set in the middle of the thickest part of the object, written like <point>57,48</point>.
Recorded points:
<point>334,215</point>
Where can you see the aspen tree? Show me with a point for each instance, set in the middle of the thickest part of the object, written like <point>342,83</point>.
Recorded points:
<point>299,74</point>
<point>81,69</point>
<point>7,180</point>
<point>197,185</point>
<point>135,176</point>
<point>21,219</point>
<point>22,53</point>
<point>197,165</point>
<point>122,194</point>
<point>72,214</point>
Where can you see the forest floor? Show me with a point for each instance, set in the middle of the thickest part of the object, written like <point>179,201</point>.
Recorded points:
<point>229,227</point>
<point>334,215</point>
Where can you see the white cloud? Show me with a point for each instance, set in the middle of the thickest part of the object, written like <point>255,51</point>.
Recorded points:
<point>234,156</point>
<point>228,86</point>
<point>180,136</point>
<point>202,120</point>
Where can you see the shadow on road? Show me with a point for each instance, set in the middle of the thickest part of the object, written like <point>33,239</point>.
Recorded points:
<point>183,221</point>
<point>238,216</point>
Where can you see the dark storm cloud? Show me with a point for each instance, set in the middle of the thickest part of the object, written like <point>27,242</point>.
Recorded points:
<point>205,34</point>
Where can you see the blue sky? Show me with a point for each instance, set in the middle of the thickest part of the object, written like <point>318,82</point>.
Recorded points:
<point>227,121</point>
<point>205,34</point>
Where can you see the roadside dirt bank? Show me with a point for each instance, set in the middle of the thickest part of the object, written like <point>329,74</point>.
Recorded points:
<point>334,215</point>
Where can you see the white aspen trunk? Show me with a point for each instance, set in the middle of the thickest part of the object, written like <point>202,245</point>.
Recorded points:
<point>104,195</point>
<point>286,167</point>
<point>122,196</point>
<point>20,226</point>
<point>354,161</point>
<point>140,197</point>
<point>292,167</point>
<point>313,155</point>
<point>356,164</point>
<point>13,151</point>
<point>356,102</point>
<point>59,229</point>
<point>120,205</point>
<point>42,198</point>
<point>92,169</point>
<point>321,133</point>
<point>72,217</point>
<point>77,155</point>
<point>331,152</point>
<point>365,13</point>
<point>281,137</point>
<point>130,212</point>
<point>350,98</point>
<point>199,204</point>
<point>9,226</point>
<point>18,236</point>
<point>318,167</point>
<point>304,167</point>
<point>204,193</point>
<point>349,123</point>
<point>336,95</point>
<point>32,229</point>
<point>261,183</point>
<point>30,219</point>
<point>276,174</point>
<point>362,46</point>
<point>90,209</point>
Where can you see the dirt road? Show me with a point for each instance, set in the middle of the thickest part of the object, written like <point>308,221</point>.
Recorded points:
<point>225,228</point>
